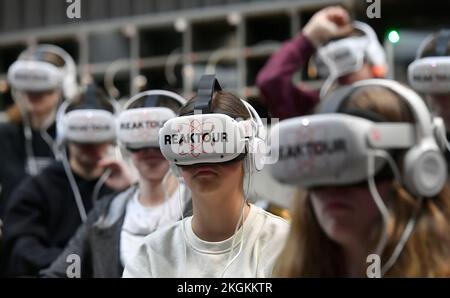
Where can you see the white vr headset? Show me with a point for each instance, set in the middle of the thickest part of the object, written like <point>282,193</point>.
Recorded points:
<point>431,75</point>
<point>88,123</point>
<point>34,76</point>
<point>208,138</point>
<point>332,149</point>
<point>31,73</point>
<point>139,127</point>
<point>346,55</point>
<point>89,126</point>
<point>212,137</point>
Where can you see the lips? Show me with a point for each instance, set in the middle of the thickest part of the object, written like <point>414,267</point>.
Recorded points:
<point>34,99</point>
<point>153,161</point>
<point>204,171</point>
<point>336,205</point>
<point>149,155</point>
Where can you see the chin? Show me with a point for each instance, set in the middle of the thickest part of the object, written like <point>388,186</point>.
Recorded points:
<point>339,234</point>
<point>37,106</point>
<point>91,163</point>
<point>208,185</point>
<point>152,174</point>
<point>339,226</point>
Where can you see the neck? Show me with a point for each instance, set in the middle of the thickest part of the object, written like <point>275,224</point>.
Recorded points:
<point>354,259</point>
<point>152,192</point>
<point>216,216</point>
<point>40,120</point>
<point>85,171</point>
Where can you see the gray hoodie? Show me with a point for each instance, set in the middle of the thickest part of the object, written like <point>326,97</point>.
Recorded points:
<point>97,241</point>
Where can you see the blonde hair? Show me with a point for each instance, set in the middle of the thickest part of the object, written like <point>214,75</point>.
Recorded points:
<point>308,251</point>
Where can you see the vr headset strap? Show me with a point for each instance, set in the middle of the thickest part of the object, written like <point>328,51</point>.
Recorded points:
<point>206,87</point>
<point>442,42</point>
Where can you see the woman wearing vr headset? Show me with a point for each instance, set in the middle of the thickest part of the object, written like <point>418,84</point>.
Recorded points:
<point>429,74</point>
<point>115,227</point>
<point>376,185</point>
<point>347,52</point>
<point>226,236</point>
<point>40,78</point>
<point>45,210</point>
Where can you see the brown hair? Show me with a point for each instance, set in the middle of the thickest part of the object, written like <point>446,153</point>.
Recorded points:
<point>14,114</point>
<point>430,48</point>
<point>157,101</point>
<point>44,56</point>
<point>101,100</point>
<point>222,102</point>
<point>310,253</point>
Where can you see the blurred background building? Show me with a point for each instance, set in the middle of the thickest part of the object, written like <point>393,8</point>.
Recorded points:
<point>128,45</point>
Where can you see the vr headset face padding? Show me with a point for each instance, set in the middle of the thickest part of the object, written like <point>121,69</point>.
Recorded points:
<point>344,142</point>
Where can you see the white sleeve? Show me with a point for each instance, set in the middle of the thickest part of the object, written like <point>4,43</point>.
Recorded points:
<point>277,233</point>
<point>139,265</point>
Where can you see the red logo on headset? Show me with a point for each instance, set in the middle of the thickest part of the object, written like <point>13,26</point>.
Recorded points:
<point>199,129</point>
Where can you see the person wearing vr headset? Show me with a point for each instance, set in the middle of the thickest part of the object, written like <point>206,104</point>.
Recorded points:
<point>210,146</point>
<point>429,74</point>
<point>40,79</point>
<point>45,210</point>
<point>346,52</point>
<point>377,186</point>
<point>115,227</point>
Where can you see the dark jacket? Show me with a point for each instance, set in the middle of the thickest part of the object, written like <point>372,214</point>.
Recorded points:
<point>41,217</point>
<point>97,241</point>
<point>13,158</point>
<point>283,98</point>
<point>13,167</point>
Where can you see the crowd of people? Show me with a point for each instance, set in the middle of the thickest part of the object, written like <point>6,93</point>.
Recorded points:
<point>160,186</point>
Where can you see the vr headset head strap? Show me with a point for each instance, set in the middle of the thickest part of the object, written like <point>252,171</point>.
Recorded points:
<point>207,86</point>
<point>442,42</point>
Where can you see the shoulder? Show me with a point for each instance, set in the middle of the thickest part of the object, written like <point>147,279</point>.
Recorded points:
<point>43,183</point>
<point>164,238</point>
<point>51,175</point>
<point>55,169</point>
<point>111,207</point>
<point>158,252</point>
<point>164,243</point>
<point>270,219</point>
<point>272,226</point>
<point>9,128</point>
<point>10,133</point>
<point>272,233</point>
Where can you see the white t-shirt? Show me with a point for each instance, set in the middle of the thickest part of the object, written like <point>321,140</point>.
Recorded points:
<point>140,221</point>
<point>165,253</point>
